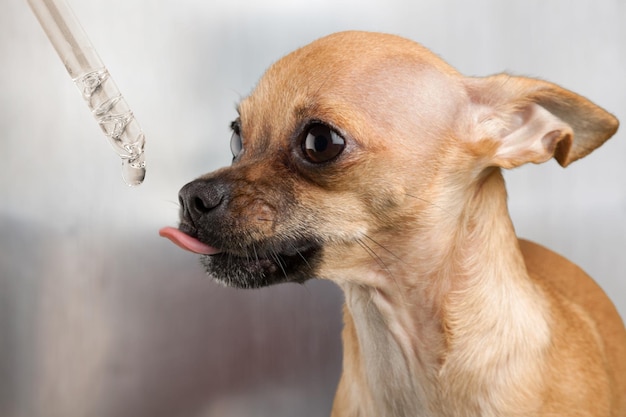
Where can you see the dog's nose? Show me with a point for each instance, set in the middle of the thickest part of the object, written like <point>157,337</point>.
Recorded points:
<point>199,198</point>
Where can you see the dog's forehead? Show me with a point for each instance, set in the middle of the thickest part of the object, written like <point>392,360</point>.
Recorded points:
<point>346,52</point>
<point>348,59</point>
<point>348,73</point>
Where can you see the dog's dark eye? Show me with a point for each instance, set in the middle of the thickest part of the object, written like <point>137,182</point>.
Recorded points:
<point>321,143</point>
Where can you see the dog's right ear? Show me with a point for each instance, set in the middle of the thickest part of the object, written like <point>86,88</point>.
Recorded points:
<point>521,120</point>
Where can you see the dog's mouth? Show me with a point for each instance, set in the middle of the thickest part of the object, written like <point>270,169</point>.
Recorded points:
<point>256,265</point>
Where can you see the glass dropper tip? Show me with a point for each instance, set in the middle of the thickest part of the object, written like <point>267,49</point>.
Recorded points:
<point>134,170</point>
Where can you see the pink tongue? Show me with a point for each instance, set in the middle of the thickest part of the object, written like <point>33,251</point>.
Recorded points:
<point>187,242</point>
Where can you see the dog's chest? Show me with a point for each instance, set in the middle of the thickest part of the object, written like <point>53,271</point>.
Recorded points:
<point>397,382</point>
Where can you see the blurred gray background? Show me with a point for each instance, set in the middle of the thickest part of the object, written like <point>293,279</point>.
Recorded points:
<point>101,317</point>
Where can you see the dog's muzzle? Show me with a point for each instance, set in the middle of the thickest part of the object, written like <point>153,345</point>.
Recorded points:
<point>236,250</point>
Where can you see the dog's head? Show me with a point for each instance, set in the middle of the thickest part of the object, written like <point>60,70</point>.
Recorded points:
<point>351,145</point>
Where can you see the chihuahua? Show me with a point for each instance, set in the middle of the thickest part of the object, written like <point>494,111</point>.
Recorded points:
<point>365,159</point>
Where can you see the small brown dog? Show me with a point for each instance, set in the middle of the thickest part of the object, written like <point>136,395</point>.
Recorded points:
<point>365,159</point>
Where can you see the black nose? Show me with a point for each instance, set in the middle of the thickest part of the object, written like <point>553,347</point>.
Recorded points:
<point>200,198</point>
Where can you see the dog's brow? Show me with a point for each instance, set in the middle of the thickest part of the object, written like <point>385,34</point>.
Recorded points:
<point>302,112</point>
<point>311,111</point>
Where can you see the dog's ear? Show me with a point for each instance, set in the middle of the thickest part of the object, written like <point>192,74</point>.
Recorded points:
<point>527,120</point>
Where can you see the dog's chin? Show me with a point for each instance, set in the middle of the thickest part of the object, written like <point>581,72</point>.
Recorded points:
<point>257,271</point>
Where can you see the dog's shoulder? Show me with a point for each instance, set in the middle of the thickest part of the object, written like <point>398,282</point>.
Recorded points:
<point>577,299</point>
<point>564,276</point>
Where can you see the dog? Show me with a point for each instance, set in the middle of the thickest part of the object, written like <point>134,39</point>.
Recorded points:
<point>365,159</point>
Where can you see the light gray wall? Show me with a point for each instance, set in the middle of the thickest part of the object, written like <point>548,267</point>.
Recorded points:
<point>100,317</point>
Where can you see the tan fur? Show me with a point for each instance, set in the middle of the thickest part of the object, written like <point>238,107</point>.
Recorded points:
<point>447,313</point>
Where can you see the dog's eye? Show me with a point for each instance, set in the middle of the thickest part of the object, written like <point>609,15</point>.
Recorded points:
<point>321,143</point>
<point>235,144</point>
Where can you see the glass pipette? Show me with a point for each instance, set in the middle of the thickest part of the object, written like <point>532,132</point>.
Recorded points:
<point>95,84</point>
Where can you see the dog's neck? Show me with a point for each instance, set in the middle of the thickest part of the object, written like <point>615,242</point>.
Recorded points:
<point>453,321</point>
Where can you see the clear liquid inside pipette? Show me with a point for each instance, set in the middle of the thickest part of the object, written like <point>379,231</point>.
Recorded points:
<point>116,121</point>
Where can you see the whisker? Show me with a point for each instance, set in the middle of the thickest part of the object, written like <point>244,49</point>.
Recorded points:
<point>302,257</point>
<point>383,247</point>
<point>278,260</point>
<point>430,203</point>
<point>380,261</point>
<point>374,255</point>
<point>172,203</point>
